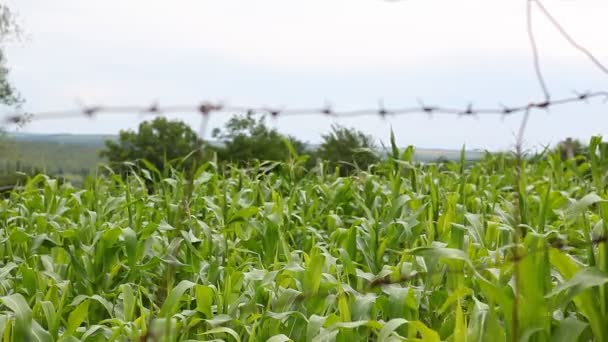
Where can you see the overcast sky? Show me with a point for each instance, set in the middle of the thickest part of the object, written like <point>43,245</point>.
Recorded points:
<point>296,53</point>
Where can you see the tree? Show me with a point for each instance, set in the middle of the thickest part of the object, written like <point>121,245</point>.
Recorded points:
<point>157,142</point>
<point>246,138</point>
<point>347,149</point>
<point>8,28</point>
<point>570,148</point>
<point>8,95</point>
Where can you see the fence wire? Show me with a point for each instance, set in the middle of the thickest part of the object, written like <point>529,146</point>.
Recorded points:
<point>507,256</point>
<point>207,108</point>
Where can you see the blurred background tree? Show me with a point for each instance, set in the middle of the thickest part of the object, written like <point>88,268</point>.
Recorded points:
<point>8,29</point>
<point>347,149</point>
<point>159,142</point>
<point>8,94</point>
<point>245,138</point>
<point>570,148</point>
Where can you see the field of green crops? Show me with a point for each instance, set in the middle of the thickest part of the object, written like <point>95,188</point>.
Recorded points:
<point>402,252</point>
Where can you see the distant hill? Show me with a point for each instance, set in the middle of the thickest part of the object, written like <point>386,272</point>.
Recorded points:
<point>71,156</point>
<point>430,154</point>
<point>90,140</point>
<point>97,141</point>
<point>76,155</point>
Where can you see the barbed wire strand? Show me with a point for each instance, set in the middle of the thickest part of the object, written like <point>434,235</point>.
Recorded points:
<point>569,38</point>
<point>536,59</point>
<point>208,108</point>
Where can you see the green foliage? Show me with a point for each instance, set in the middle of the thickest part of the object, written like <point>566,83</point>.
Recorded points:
<point>245,139</point>
<point>347,149</point>
<point>8,27</point>
<point>570,148</point>
<point>8,94</point>
<point>158,142</point>
<point>415,252</point>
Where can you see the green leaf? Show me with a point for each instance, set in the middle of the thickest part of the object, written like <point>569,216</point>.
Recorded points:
<point>356,324</point>
<point>77,316</point>
<point>130,246</point>
<point>584,279</point>
<point>278,338</point>
<point>243,215</point>
<point>445,253</point>
<point>280,316</point>
<point>313,329</point>
<point>218,320</point>
<point>428,335</point>
<point>569,329</point>
<point>93,331</point>
<point>204,299</point>
<point>389,328</point>
<point>224,330</point>
<point>5,271</point>
<point>313,273</point>
<point>171,304</point>
<point>575,209</point>
<point>460,330</point>
<point>394,148</point>
<point>23,316</point>
<point>40,335</point>
<point>128,302</point>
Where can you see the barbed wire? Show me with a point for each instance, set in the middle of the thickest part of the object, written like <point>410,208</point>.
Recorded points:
<point>535,57</point>
<point>207,108</point>
<point>506,256</point>
<point>562,31</point>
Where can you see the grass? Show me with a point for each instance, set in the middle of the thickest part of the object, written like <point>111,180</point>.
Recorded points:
<point>405,251</point>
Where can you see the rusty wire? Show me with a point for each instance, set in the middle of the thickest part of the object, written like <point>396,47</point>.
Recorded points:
<point>207,108</point>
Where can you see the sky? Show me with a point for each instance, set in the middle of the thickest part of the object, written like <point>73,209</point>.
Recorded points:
<point>296,53</point>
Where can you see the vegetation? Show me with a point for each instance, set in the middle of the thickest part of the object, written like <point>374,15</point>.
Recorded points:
<point>8,28</point>
<point>245,139</point>
<point>406,252</point>
<point>570,148</point>
<point>347,149</point>
<point>76,156</point>
<point>157,142</point>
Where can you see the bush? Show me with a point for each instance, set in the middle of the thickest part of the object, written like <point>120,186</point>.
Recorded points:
<point>159,142</point>
<point>347,149</point>
<point>245,138</point>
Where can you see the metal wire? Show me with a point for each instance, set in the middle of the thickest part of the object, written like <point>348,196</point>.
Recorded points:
<point>207,108</point>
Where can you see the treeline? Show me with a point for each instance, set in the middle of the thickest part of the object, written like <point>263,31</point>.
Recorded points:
<point>243,140</point>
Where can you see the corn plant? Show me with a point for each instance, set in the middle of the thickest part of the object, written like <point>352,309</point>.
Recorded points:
<point>402,251</point>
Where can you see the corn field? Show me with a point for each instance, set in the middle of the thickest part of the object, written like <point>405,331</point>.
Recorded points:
<point>504,249</point>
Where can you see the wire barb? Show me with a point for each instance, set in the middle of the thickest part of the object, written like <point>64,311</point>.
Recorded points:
<point>210,108</point>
